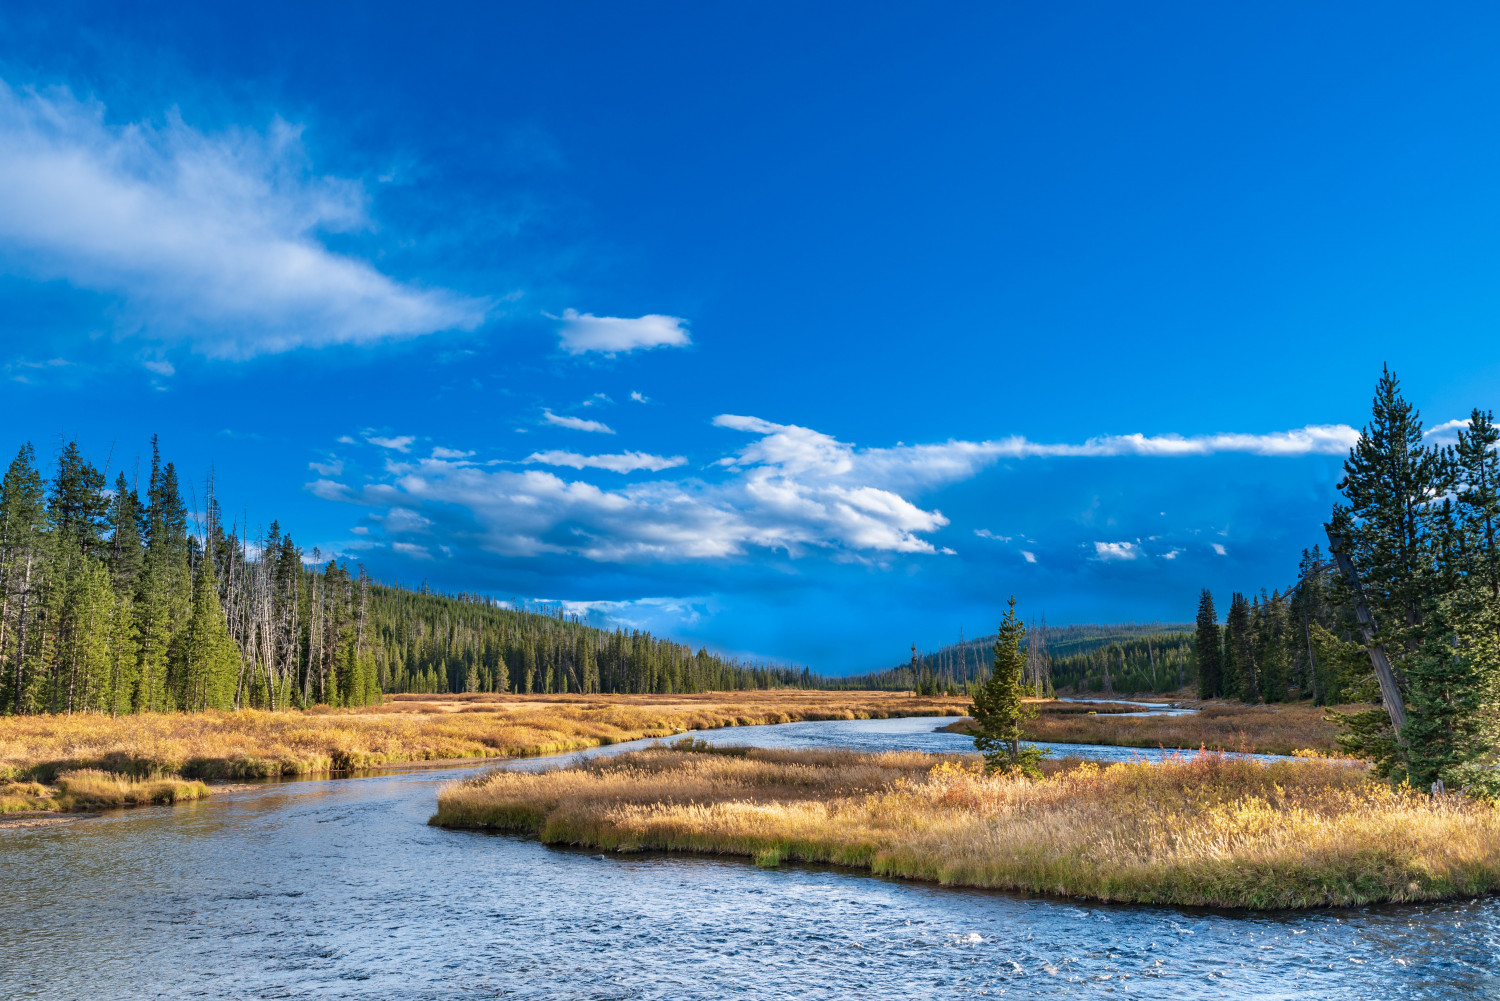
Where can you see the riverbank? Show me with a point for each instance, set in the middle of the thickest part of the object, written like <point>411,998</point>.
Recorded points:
<point>255,744</point>
<point>1270,729</point>
<point>90,789</point>
<point>1205,829</point>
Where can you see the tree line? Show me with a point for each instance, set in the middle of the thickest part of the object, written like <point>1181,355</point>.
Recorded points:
<point>1409,587</point>
<point>112,599</point>
<point>1086,657</point>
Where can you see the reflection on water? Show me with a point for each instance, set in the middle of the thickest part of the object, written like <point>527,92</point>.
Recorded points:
<point>338,888</point>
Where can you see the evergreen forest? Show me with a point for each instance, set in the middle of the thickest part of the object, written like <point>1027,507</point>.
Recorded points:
<point>113,600</point>
<point>1401,612</point>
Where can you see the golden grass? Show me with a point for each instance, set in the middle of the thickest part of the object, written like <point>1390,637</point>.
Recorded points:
<point>251,743</point>
<point>1271,729</point>
<point>1195,830</point>
<point>91,789</point>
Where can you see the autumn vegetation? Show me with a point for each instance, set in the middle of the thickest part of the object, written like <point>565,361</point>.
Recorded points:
<point>256,744</point>
<point>91,789</point>
<point>1205,829</point>
<point>1279,729</point>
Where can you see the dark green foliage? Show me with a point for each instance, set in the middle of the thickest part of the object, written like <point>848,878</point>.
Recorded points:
<point>1443,706</point>
<point>1240,679</point>
<point>109,604</point>
<point>1419,524</point>
<point>1269,653</point>
<point>1158,658</point>
<point>998,709</point>
<point>1207,653</point>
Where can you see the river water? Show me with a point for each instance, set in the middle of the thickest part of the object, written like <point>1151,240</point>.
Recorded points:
<point>339,889</point>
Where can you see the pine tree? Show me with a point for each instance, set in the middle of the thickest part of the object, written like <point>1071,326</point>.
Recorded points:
<point>1206,649</point>
<point>1443,725</point>
<point>208,663</point>
<point>22,521</point>
<point>1270,648</point>
<point>1389,479</point>
<point>1240,681</point>
<point>998,709</point>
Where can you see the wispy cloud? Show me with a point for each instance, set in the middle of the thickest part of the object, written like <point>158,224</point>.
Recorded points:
<point>581,333</point>
<point>639,397</point>
<point>576,423</point>
<point>790,489</point>
<point>209,239</point>
<point>400,443</point>
<point>1219,548</point>
<point>1116,550</point>
<point>625,462</point>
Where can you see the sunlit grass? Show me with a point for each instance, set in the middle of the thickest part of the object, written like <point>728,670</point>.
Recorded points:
<point>1198,830</point>
<point>1276,729</point>
<point>91,789</point>
<point>262,744</point>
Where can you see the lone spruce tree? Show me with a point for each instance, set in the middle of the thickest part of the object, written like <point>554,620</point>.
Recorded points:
<point>997,707</point>
<point>1207,650</point>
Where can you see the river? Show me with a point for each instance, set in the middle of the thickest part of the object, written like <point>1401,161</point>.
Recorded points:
<point>338,888</point>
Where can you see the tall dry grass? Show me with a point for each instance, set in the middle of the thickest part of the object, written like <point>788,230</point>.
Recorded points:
<point>1276,729</point>
<point>252,743</point>
<point>1199,830</point>
<point>90,789</point>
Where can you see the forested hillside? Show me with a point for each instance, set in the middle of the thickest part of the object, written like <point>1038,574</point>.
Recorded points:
<point>1126,657</point>
<point>112,601</point>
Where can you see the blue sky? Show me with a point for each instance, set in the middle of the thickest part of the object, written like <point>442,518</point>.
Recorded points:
<point>801,331</point>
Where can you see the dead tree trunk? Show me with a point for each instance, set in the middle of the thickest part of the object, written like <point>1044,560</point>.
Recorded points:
<point>1390,691</point>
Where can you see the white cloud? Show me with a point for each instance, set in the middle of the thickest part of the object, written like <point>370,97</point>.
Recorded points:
<point>1116,550</point>
<point>333,467</point>
<point>625,462</point>
<point>401,519</point>
<point>576,423</point>
<point>790,489</point>
<point>1171,555</point>
<point>918,467</point>
<point>1220,549</point>
<point>1446,433</point>
<point>329,490</point>
<point>414,551</point>
<point>209,239</point>
<point>584,332</point>
<point>766,502</point>
<point>985,533</point>
<point>449,453</point>
<point>344,439</point>
<point>639,397</point>
<point>160,366</point>
<point>401,443</point>
<point>598,400</point>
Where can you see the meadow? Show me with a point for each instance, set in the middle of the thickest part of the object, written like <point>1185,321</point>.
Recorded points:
<point>406,728</point>
<point>1203,829</point>
<point>1264,729</point>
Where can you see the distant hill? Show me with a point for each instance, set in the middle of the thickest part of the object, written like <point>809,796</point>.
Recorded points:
<point>1076,654</point>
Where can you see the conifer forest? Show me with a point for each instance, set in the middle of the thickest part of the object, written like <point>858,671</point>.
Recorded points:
<point>112,599</point>
<point>1400,612</point>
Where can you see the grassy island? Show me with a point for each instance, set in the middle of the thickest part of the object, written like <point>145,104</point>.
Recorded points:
<point>1204,829</point>
<point>406,728</point>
